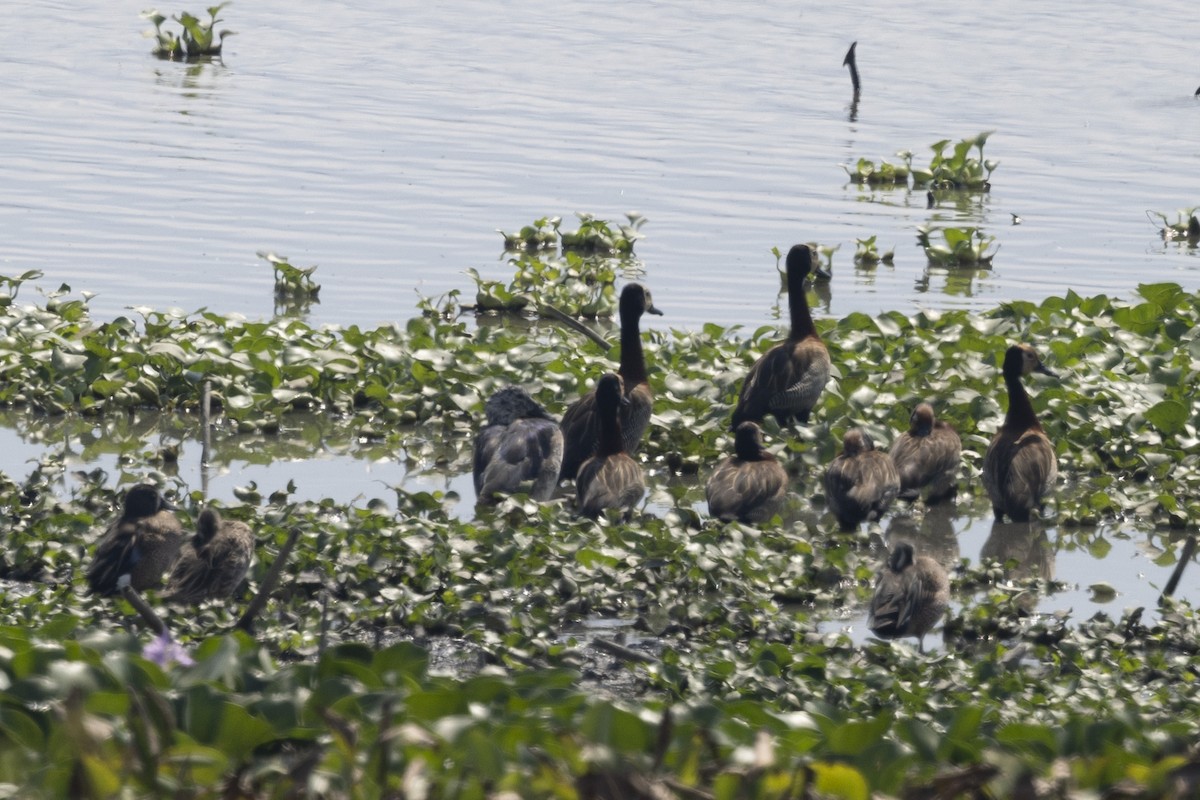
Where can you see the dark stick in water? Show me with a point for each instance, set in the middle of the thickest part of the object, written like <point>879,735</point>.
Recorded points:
<point>1185,556</point>
<point>851,61</point>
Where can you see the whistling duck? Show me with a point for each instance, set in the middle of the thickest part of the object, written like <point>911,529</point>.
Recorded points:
<point>214,563</point>
<point>911,594</point>
<point>927,457</point>
<point>860,483</point>
<point>580,425</point>
<point>141,544</point>
<point>788,379</point>
<point>750,485</point>
<point>521,445</point>
<point>1020,465</point>
<point>610,478</point>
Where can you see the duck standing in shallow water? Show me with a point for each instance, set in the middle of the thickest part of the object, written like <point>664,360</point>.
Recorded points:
<point>214,563</point>
<point>750,485</point>
<point>1020,466</point>
<point>788,379</point>
<point>911,594</point>
<point>927,457</point>
<point>142,544</point>
<point>610,478</point>
<point>521,445</point>
<point>861,482</point>
<point>581,425</point>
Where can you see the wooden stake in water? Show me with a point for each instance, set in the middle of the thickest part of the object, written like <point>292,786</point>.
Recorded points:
<point>206,434</point>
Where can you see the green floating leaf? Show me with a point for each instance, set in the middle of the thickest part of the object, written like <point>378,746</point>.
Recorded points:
<point>1169,416</point>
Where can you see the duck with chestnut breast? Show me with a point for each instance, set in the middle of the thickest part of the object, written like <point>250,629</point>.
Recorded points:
<point>610,478</point>
<point>928,457</point>
<point>788,379</point>
<point>581,425</point>
<point>750,485</point>
<point>521,447</point>
<point>140,545</point>
<point>911,594</point>
<point>1020,466</point>
<point>861,482</point>
<point>214,563</point>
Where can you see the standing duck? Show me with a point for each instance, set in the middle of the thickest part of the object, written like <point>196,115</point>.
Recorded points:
<point>788,379</point>
<point>1020,465</point>
<point>750,485</point>
<point>141,544</point>
<point>521,444</point>
<point>860,483</point>
<point>927,457</point>
<point>580,425</point>
<point>214,563</point>
<point>911,594</point>
<point>610,478</point>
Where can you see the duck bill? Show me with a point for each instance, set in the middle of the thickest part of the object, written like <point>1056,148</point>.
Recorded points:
<point>1042,368</point>
<point>652,309</point>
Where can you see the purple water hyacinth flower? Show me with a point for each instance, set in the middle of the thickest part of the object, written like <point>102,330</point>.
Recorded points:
<point>165,651</point>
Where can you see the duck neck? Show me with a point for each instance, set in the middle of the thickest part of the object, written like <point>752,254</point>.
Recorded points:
<point>802,321</point>
<point>1020,410</point>
<point>611,440</point>
<point>633,360</point>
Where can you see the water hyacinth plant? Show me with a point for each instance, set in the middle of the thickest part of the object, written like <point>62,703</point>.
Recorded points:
<point>964,247</point>
<point>197,40</point>
<point>867,255</point>
<point>577,282</point>
<point>295,289</point>
<point>1186,226</point>
<point>884,173</point>
<point>958,169</point>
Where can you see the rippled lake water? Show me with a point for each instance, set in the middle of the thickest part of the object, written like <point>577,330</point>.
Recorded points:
<point>385,144</point>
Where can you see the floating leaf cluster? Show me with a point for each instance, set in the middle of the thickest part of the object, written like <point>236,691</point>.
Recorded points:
<point>196,41</point>
<point>1186,226</point>
<point>295,289</point>
<point>964,247</point>
<point>576,280</point>
<point>958,169</point>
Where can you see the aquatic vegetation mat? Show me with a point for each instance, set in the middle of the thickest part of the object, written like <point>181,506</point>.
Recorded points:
<point>415,651</point>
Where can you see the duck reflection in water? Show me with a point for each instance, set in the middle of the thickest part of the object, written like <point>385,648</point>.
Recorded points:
<point>1025,548</point>
<point>931,533</point>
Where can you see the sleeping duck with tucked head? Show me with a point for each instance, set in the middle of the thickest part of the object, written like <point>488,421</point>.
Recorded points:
<point>521,447</point>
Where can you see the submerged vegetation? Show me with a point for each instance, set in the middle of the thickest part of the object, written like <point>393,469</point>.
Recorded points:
<point>197,39</point>
<point>416,652</point>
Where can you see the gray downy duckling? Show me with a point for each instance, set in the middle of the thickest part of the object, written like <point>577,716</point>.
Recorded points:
<point>521,447</point>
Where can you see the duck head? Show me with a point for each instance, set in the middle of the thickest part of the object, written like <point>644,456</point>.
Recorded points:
<point>636,301</point>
